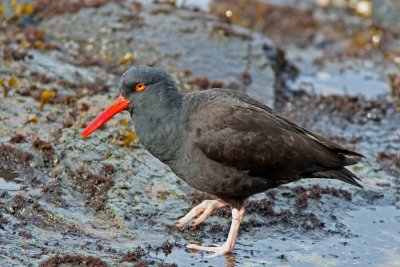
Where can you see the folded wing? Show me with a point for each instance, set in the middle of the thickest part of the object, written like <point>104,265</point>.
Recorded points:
<point>237,131</point>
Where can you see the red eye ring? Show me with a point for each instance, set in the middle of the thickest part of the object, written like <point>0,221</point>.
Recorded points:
<point>140,87</point>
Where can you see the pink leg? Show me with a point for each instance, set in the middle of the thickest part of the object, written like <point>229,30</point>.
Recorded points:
<point>237,216</point>
<point>202,211</point>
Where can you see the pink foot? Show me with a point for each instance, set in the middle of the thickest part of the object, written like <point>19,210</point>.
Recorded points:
<point>218,250</point>
<point>202,211</point>
<point>237,216</point>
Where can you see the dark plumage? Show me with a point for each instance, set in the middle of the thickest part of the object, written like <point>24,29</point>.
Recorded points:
<point>267,149</point>
<point>225,143</point>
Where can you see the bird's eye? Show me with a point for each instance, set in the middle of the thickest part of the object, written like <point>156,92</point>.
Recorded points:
<point>140,87</point>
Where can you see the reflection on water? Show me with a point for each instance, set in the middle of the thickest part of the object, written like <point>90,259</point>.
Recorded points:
<point>230,260</point>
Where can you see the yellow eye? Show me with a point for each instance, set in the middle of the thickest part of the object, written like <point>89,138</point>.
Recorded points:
<point>140,87</point>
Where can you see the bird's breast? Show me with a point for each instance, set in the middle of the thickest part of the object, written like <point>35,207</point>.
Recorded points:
<point>162,139</point>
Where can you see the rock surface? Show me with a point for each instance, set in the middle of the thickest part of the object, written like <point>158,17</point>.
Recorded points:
<point>105,201</point>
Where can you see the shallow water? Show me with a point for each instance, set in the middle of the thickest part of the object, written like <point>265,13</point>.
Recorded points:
<point>376,241</point>
<point>346,82</point>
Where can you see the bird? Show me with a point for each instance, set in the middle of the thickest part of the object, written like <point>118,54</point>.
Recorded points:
<point>222,142</point>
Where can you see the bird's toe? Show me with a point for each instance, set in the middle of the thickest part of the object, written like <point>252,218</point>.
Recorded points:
<point>202,217</point>
<point>202,211</point>
<point>217,250</point>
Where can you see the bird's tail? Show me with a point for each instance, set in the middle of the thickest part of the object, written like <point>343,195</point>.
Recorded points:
<point>341,174</point>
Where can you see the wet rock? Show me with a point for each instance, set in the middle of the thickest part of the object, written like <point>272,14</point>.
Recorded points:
<point>391,157</point>
<point>12,157</point>
<point>94,187</point>
<point>307,221</point>
<point>284,71</point>
<point>168,265</point>
<point>166,248</point>
<point>20,202</point>
<point>142,263</point>
<point>271,194</point>
<point>283,257</point>
<point>53,192</point>
<point>164,9</point>
<point>215,228</point>
<point>47,149</point>
<point>42,145</point>
<point>193,31</point>
<point>46,9</point>
<point>262,207</point>
<point>18,138</point>
<point>316,192</point>
<point>25,234</point>
<point>229,31</point>
<point>3,221</point>
<point>134,256</point>
<point>108,169</point>
<point>311,221</point>
<point>10,53</point>
<point>78,260</point>
<point>204,83</point>
<point>123,198</point>
<point>299,24</point>
<point>352,108</point>
<point>196,197</point>
<point>301,201</point>
<point>395,88</point>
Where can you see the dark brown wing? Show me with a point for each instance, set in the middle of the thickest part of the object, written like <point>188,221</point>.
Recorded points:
<point>237,131</point>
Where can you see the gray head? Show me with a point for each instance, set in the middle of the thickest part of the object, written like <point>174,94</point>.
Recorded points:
<point>147,88</point>
<point>144,91</point>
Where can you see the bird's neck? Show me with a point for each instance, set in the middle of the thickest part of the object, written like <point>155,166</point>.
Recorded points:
<point>159,128</point>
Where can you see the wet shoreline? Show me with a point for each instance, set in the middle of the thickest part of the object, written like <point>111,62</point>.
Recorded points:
<point>106,201</point>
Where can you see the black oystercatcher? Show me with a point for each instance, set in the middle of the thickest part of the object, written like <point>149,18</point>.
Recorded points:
<point>222,142</point>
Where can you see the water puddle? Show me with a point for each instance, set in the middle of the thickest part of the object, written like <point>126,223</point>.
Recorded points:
<point>347,82</point>
<point>373,229</point>
<point>9,180</point>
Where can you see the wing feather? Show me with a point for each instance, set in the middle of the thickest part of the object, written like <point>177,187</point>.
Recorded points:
<point>237,131</point>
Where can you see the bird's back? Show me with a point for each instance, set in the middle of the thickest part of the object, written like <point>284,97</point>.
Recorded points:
<point>240,133</point>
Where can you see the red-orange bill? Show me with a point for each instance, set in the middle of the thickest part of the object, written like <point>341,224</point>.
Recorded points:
<point>120,104</point>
